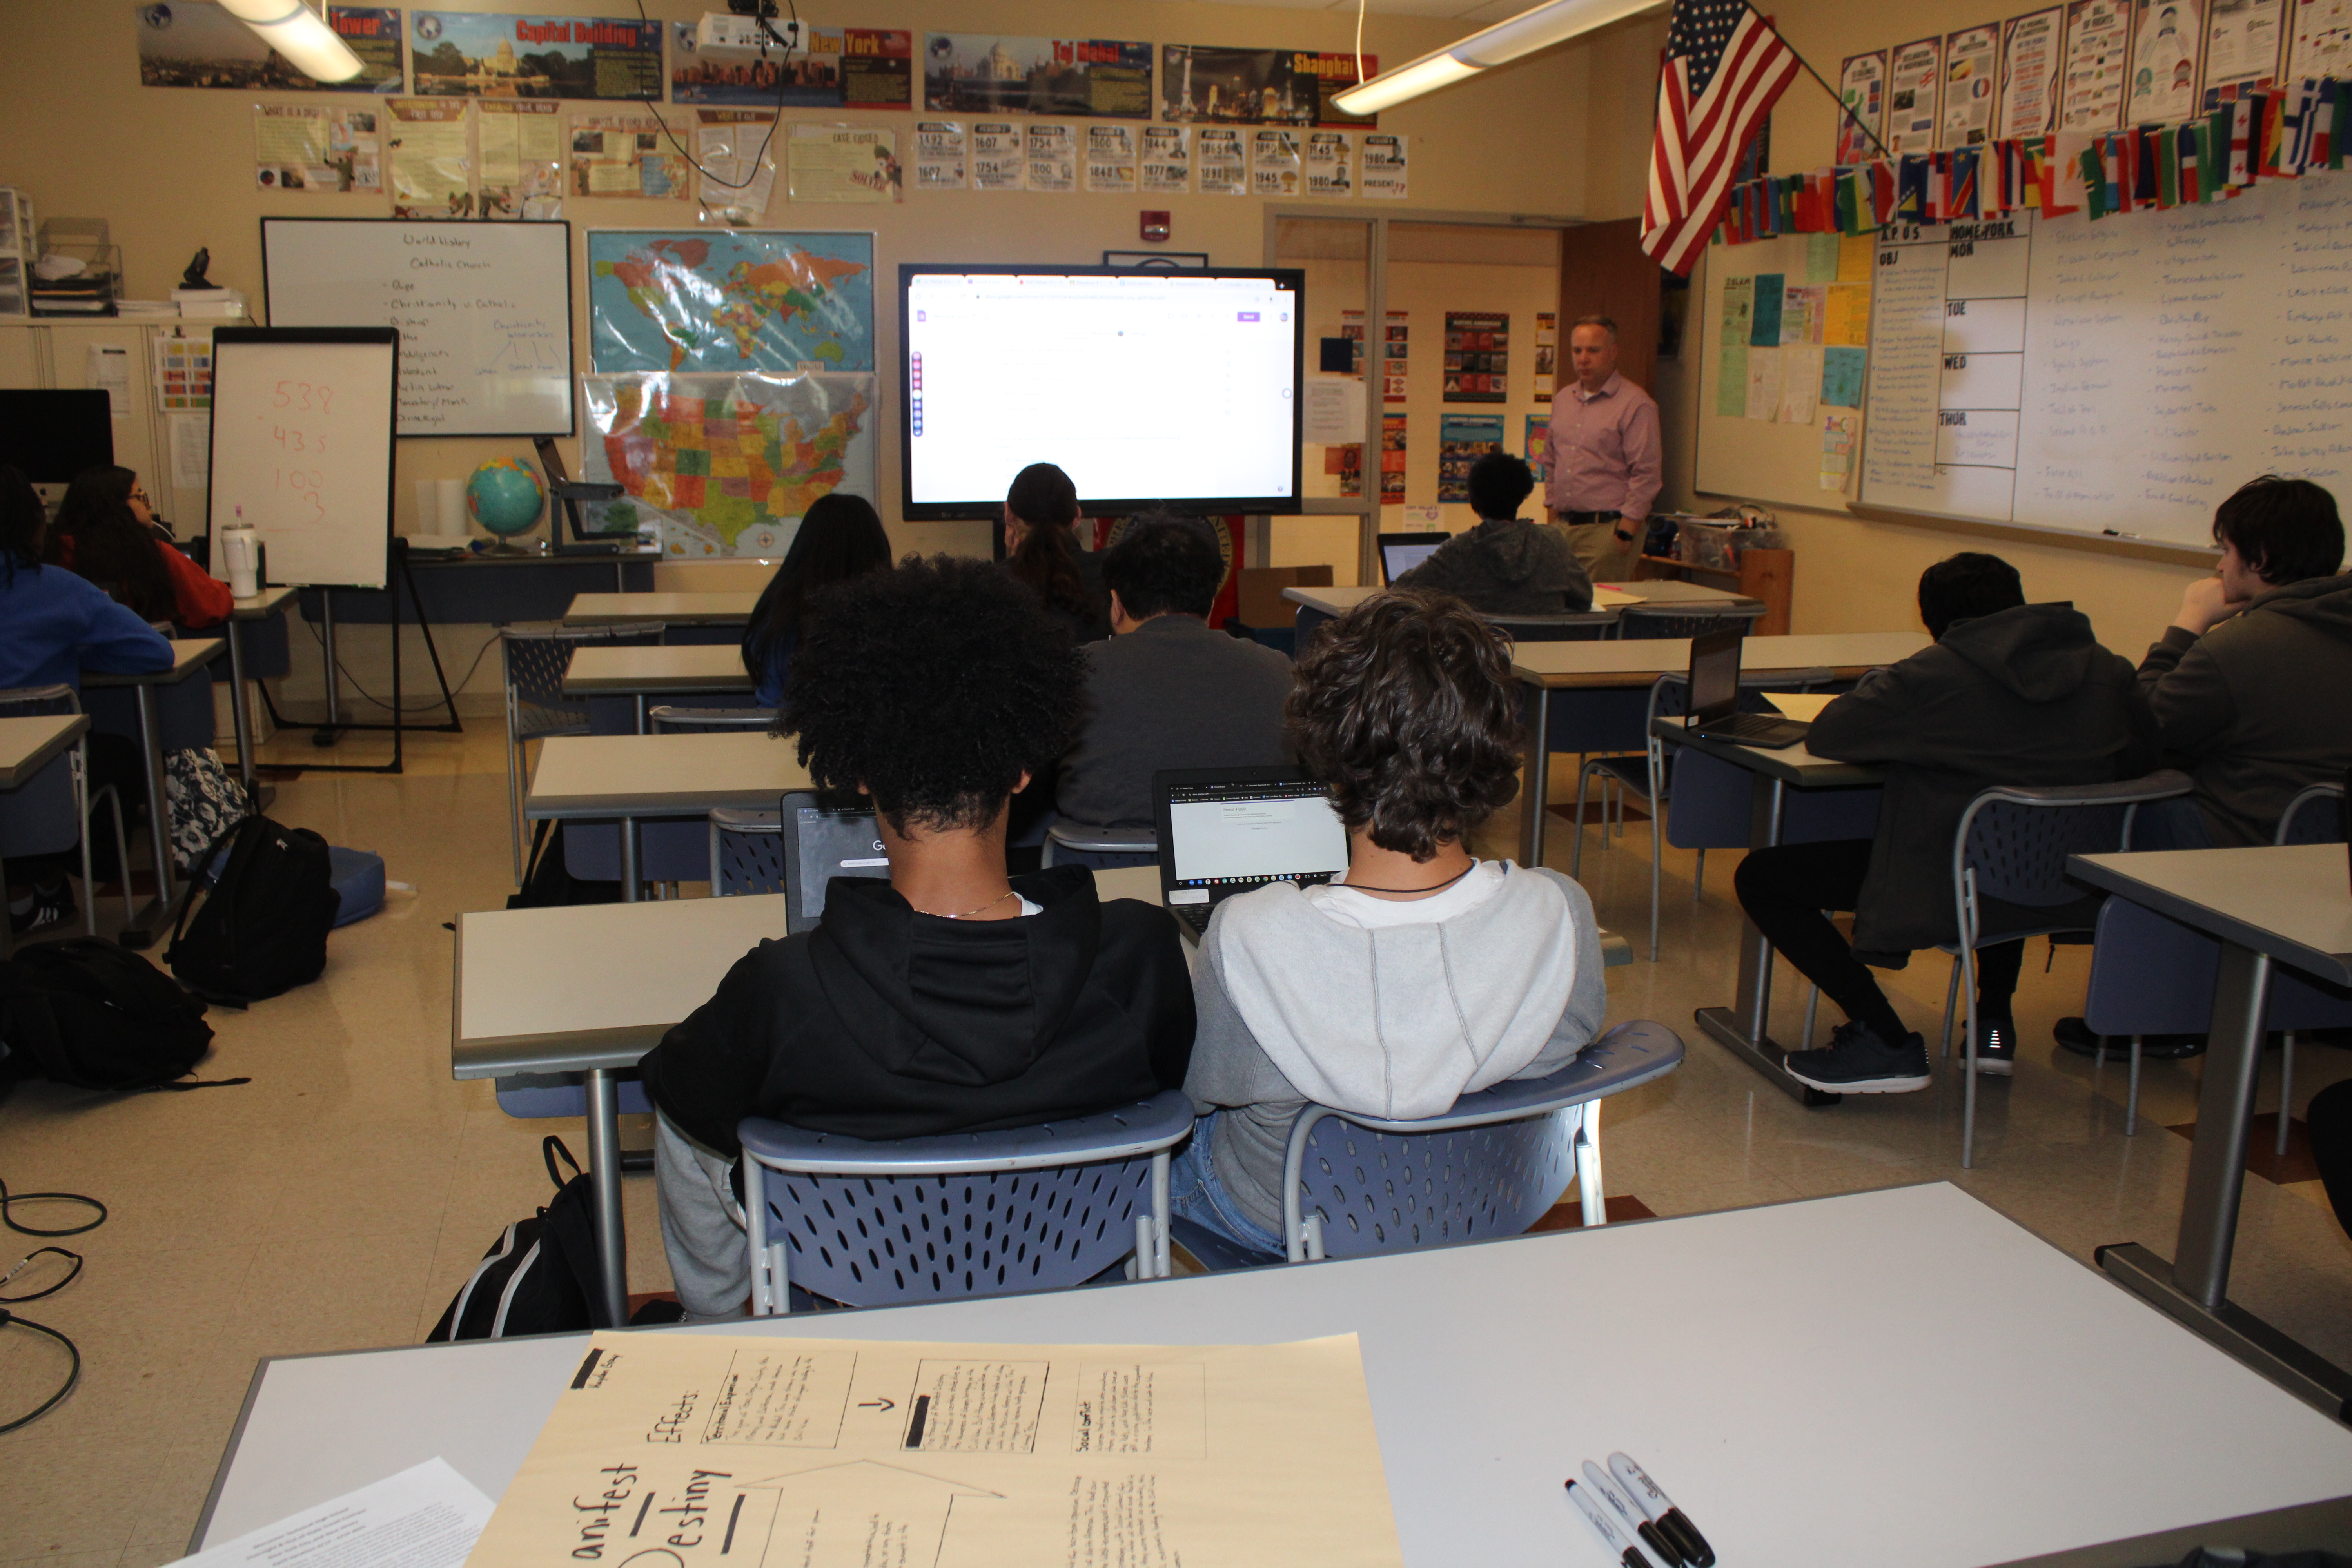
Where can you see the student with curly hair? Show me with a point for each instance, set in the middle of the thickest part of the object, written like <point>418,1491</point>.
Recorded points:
<point>1422,973</point>
<point>949,997</point>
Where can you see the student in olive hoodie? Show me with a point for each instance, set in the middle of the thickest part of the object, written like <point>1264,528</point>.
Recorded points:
<point>2011,694</point>
<point>2248,686</point>
<point>950,997</point>
<point>1507,565</point>
<point>1418,975</point>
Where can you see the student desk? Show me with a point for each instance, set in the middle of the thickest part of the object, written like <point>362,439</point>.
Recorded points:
<point>1593,696</point>
<point>188,658</point>
<point>669,609</point>
<point>639,673</point>
<point>1324,603</point>
<point>1744,1027</point>
<point>1765,1343</point>
<point>264,606</point>
<point>2289,905</point>
<point>28,746</point>
<point>603,777</point>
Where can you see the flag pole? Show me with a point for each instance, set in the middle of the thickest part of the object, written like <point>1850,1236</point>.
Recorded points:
<point>1836,97</point>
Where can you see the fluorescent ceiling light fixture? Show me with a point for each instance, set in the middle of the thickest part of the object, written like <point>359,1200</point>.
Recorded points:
<point>1524,34</point>
<point>295,31</point>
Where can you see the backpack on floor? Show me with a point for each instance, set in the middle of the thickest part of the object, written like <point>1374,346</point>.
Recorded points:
<point>89,1014</point>
<point>540,1276</point>
<point>261,928</point>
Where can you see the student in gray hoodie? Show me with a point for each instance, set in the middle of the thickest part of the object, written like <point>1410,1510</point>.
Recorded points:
<point>1418,975</point>
<point>1507,565</point>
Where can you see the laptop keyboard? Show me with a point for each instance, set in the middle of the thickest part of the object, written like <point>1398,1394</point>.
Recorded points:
<point>1193,915</point>
<point>1756,728</point>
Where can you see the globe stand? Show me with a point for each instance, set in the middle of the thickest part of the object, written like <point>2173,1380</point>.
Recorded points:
<point>504,548</point>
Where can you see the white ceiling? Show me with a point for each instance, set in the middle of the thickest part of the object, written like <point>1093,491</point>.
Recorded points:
<point>1478,11</point>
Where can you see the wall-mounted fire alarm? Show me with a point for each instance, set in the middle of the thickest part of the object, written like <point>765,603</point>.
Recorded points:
<point>1155,226</point>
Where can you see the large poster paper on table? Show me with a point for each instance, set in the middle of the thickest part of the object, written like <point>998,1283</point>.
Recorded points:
<point>747,299</point>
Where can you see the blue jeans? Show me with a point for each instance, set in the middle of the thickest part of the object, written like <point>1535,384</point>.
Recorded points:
<point>2174,824</point>
<point>1195,1194</point>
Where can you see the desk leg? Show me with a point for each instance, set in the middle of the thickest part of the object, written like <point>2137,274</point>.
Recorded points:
<point>156,919</point>
<point>8,937</point>
<point>604,1179</point>
<point>2195,1287</point>
<point>640,701</point>
<point>1536,788</point>
<point>628,859</point>
<point>1744,1028</point>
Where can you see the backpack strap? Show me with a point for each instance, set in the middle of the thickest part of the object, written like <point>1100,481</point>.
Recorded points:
<point>197,1083</point>
<point>196,877</point>
<point>549,1149</point>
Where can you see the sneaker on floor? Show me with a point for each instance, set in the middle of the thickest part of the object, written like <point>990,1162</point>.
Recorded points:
<point>47,907</point>
<point>2076,1035</point>
<point>1856,1061</point>
<point>1996,1047</point>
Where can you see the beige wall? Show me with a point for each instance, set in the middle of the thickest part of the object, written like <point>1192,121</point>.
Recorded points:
<point>1853,574</point>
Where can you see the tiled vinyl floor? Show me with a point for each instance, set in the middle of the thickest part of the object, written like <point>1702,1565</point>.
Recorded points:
<point>338,1200</point>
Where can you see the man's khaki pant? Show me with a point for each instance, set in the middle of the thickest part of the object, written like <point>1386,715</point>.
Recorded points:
<point>1597,550</point>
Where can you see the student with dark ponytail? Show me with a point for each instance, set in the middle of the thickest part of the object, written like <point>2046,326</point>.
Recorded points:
<point>840,537</point>
<point>1040,549</point>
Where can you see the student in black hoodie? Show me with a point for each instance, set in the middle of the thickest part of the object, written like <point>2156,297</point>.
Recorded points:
<point>949,997</point>
<point>2011,694</point>
<point>1507,565</point>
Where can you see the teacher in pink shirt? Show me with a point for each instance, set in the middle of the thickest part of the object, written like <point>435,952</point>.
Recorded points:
<point>1602,454</point>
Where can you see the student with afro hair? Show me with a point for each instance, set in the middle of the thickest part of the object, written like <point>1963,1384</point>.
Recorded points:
<point>1507,565</point>
<point>949,997</point>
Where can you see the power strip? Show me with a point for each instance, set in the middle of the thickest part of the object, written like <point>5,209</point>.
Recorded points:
<point>723,30</point>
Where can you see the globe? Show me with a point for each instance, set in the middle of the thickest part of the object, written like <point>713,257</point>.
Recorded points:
<point>505,498</point>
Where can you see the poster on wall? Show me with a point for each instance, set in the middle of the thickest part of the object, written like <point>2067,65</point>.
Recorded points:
<point>1274,163</point>
<point>2098,64</point>
<point>196,43</point>
<point>988,73</point>
<point>1394,362</point>
<point>1223,161</point>
<point>472,54</point>
<point>1462,440</point>
<point>1478,356</point>
<point>1382,169</point>
<point>1051,153</point>
<point>2167,42</point>
<point>942,156</point>
<point>845,163</point>
<point>1166,160</point>
<point>326,151</point>
<point>2243,41</point>
<point>842,68</point>
<point>760,301</point>
<point>431,166</point>
<point>724,465</point>
<point>1536,448</point>
<point>1914,78</point>
<point>2030,55</point>
<point>1392,456</point>
<point>1971,67</point>
<point>736,150</point>
<point>522,147</point>
<point>1547,354</point>
<point>1259,86</point>
<point>1862,90</point>
<point>625,155</point>
<point>1110,159</point>
<point>1330,163</point>
<point>2322,45</point>
<point>998,163</point>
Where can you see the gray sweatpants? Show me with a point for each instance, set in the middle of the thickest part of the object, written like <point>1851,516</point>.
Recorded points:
<point>703,1227</point>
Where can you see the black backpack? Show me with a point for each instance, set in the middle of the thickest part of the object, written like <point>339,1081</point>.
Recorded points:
<point>262,929</point>
<point>87,1013</point>
<point>540,1276</point>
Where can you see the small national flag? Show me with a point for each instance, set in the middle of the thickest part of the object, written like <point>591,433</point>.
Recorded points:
<point>2114,173</point>
<point>2061,176</point>
<point>1939,187</point>
<point>1725,69</point>
<point>2339,99</point>
<point>2273,131</point>
<point>2185,158</point>
<point>2148,177</point>
<point>1964,203</point>
<point>1881,192</point>
<point>1911,198</point>
<point>2241,134</point>
<point>2093,162</point>
<point>2163,150</point>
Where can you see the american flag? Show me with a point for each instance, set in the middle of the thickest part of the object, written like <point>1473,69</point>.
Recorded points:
<point>1724,67</point>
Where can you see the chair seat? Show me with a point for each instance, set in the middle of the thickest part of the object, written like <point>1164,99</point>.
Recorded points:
<point>1632,772</point>
<point>533,723</point>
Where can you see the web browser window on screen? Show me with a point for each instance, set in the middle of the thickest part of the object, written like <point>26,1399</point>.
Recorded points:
<point>1252,839</point>
<point>1173,387</point>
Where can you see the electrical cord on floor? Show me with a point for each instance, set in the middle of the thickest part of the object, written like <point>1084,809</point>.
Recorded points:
<point>366,696</point>
<point>8,1320</point>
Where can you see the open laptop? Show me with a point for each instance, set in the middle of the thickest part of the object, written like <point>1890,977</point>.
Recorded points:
<point>824,838</point>
<point>1227,830</point>
<point>1401,552</point>
<point>1715,698</point>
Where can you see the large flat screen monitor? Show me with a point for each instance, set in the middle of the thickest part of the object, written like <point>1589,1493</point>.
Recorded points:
<point>1148,388</point>
<point>53,435</point>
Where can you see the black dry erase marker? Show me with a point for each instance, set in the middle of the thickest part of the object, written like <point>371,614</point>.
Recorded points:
<point>1613,1539</point>
<point>1671,1523</point>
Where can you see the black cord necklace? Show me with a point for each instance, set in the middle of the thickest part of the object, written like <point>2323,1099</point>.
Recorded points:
<point>1438,888</point>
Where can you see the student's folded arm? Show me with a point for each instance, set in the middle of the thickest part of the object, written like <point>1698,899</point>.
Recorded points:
<point>116,642</point>
<point>1880,721</point>
<point>2188,696</point>
<point>198,598</point>
<point>708,1072</point>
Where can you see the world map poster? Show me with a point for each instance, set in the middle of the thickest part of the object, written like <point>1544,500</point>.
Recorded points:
<point>743,300</point>
<point>724,465</point>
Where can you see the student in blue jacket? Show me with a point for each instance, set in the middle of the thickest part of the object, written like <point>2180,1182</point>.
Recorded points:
<point>53,625</point>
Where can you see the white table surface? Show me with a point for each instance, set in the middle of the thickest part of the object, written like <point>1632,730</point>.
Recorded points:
<point>260,606</point>
<point>188,656</point>
<point>661,775</point>
<point>2293,901</point>
<point>29,742</point>
<point>1560,664</point>
<point>1605,595</point>
<point>1894,1377</point>
<point>686,609</point>
<point>689,667</point>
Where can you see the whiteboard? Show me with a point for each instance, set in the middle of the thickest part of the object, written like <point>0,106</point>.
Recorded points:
<point>301,448</point>
<point>2118,378</point>
<point>484,311</point>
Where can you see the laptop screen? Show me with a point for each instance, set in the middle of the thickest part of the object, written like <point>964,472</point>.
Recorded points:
<point>834,844</point>
<point>1715,674</point>
<point>1229,834</point>
<point>1396,560</point>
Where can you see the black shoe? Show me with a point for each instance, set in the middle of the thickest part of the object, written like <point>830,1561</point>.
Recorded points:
<point>50,907</point>
<point>1857,1061</point>
<point>2077,1036</point>
<point>1996,1047</point>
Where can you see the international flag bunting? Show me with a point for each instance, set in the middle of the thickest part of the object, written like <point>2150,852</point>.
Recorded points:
<point>2092,164</point>
<point>1964,196</point>
<point>1911,188</point>
<point>2162,149</point>
<point>1881,192</point>
<point>2116,173</point>
<point>2274,128</point>
<point>2148,172</point>
<point>2297,126</point>
<point>2320,149</point>
<point>2241,137</point>
<point>2061,176</point>
<point>2187,163</point>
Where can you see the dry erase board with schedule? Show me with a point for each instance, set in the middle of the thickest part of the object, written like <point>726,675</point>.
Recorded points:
<point>2113,378</point>
<point>301,448</point>
<point>484,311</point>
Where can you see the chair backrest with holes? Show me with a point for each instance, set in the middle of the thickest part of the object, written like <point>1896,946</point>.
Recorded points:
<point>707,721</point>
<point>2019,852</point>
<point>537,659</point>
<point>746,852</point>
<point>1637,623</point>
<point>2315,816</point>
<point>1393,1191</point>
